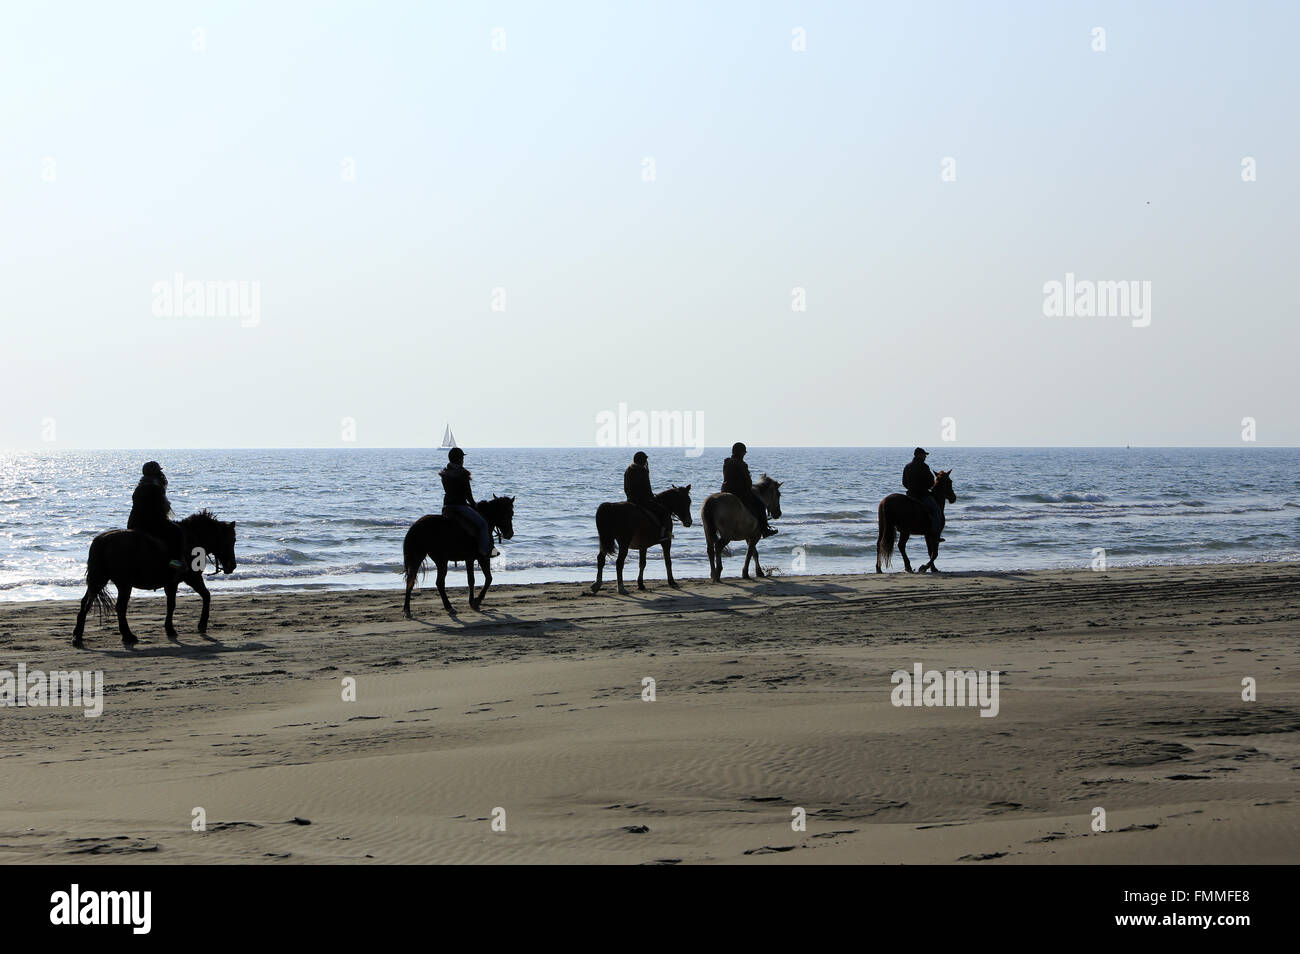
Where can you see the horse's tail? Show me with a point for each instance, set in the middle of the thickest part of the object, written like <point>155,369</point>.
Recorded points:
<point>885,541</point>
<point>709,520</point>
<point>413,553</point>
<point>97,581</point>
<point>605,529</point>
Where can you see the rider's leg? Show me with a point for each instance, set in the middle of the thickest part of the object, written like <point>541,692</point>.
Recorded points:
<point>759,510</point>
<point>936,516</point>
<point>484,534</point>
<point>665,520</point>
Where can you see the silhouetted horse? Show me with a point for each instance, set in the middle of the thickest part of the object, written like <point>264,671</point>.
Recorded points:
<point>726,518</point>
<point>908,516</point>
<point>443,540</point>
<point>625,526</point>
<point>134,559</point>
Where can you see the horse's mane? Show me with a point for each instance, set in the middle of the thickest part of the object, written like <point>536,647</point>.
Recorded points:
<point>764,481</point>
<point>204,517</point>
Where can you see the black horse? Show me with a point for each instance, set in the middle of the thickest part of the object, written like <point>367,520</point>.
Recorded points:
<point>132,559</point>
<point>625,526</point>
<point>900,512</point>
<point>443,540</point>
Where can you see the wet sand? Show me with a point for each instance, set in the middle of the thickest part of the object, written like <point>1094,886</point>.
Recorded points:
<point>1119,690</point>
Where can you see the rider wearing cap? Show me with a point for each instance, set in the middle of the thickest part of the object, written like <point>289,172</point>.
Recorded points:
<point>151,512</point>
<point>636,485</point>
<point>458,501</point>
<point>736,480</point>
<point>919,480</point>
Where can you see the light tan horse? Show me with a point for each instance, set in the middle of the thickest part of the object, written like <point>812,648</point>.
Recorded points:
<point>726,518</point>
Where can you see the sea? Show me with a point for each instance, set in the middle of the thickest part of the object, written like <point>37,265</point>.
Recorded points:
<point>333,519</point>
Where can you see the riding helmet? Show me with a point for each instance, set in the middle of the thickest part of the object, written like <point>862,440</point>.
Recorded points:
<point>455,455</point>
<point>738,449</point>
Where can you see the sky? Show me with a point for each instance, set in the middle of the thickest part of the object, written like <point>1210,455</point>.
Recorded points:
<point>798,223</point>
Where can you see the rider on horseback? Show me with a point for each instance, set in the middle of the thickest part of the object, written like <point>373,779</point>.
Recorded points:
<point>151,512</point>
<point>919,481</point>
<point>736,480</point>
<point>458,502</point>
<point>636,485</point>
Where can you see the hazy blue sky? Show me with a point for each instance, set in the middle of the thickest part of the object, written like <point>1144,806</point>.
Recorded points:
<point>476,169</point>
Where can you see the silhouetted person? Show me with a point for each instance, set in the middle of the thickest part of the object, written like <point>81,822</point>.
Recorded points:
<point>736,480</point>
<point>636,485</point>
<point>458,500</point>
<point>151,513</point>
<point>919,480</point>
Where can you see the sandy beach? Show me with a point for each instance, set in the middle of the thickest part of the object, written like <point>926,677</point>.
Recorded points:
<point>1119,690</point>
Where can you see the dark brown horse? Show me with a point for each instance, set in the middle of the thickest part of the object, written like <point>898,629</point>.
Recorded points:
<point>901,513</point>
<point>625,526</point>
<point>443,540</point>
<point>132,559</point>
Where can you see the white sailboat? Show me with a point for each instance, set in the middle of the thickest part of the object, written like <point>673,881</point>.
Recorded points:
<point>448,439</point>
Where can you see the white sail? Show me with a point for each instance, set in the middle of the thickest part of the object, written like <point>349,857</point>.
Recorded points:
<point>448,439</point>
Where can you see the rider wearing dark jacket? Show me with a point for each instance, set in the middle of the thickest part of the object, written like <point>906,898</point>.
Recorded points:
<point>636,486</point>
<point>458,501</point>
<point>151,513</point>
<point>919,480</point>
<point>736,480</point>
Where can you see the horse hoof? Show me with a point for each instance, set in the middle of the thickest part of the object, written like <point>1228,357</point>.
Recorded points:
<point>622,591</point>
<point>595,588</point>
<point>673,584</point>
<point>130,642</point>
<point>77,643</point>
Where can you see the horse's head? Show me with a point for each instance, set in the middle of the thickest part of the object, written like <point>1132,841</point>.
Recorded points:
<point>215,537</point>
<point>499,512</point>
<point>769,491</point>
<point>678,502</point>
<point>943,486</point>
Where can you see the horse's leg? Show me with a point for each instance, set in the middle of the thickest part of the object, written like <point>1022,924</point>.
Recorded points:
<point>195,582</point>
<point>622,556</point>
<point>170,590</point>
<point>123,598</point>
<point>80,628</point>
<point>442,586</point>
<point>902,549</point>
<point>880,541</point>
<point>668,563</point>
<point>749,555</point>
<point>469,575</point>
<point>92,590</point>
<point>640,573</point>
<point>932,544</point>
<point>719,547</point>
<point>486,564</point>
<point>600,570</point>
<point>757,569</point>
<point>411,576</point>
